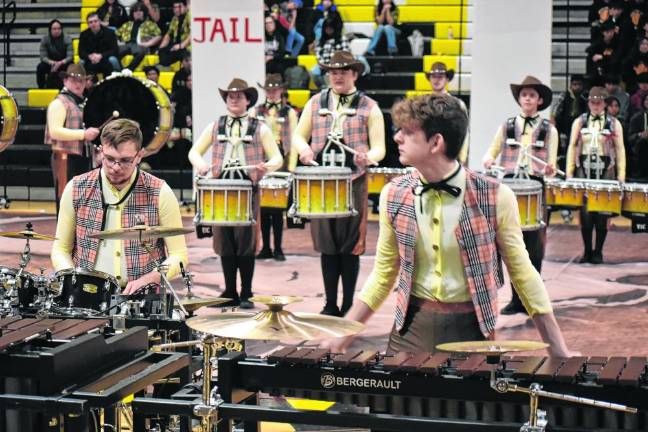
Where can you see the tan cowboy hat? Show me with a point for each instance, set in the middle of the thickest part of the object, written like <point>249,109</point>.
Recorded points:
<point>532,82</point>
<point>343,60</point>
<point>75,70</point>
<point>239,85</point>
<point>440,68</point>
<point>273,81</point>
<point>598,93</point>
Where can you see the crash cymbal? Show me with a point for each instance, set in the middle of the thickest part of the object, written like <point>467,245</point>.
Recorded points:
<point>272,300</point>
<point>274,325</point>
<point>26,235</point>
<point>492,347</point>
<point>141,231</point>
<point>195,303</point>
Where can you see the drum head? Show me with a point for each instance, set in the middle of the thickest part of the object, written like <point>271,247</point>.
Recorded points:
<point>322,171</point>
<point>131,97</point>
<point>522,185</point>
<point>10,118</point>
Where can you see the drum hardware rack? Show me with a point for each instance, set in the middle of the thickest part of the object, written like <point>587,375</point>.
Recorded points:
<point>593,148</point>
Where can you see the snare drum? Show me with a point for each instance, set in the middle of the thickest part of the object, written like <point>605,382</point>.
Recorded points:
<point>322,192</point>
<point>377,178</point>
<point>274,191</point>
<point>28,290</point>
<point>635,200</point>
<point>564,193</point>
<point>224,202</point>
<point>85,289</point>
<point>529,198</point>
<point>603,196</point>
<point>10,118</point>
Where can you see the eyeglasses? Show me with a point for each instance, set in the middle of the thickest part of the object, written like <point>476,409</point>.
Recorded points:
<point>124,163</point>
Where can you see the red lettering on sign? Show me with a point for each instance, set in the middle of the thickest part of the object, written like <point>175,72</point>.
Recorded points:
<point>249,38</point>
<point>202,21</point>
<point>216,27</point>
<point>234,21</point>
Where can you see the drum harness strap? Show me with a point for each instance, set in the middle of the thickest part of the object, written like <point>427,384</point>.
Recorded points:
<point>335,135</point>
<point>543,130</point>
<point>105,205</point>
<point>247,138</point>
<point>594,161</point>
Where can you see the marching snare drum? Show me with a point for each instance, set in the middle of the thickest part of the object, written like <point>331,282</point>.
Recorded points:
<point>565,193</point>
<point>377,178</point>
<point>603,196</point>
<point>10,118</point>
<point>224,202</point>
<point>85,289</point>
<point>529,198</point>
<point>27,291</point>
<point>274,191</point>
<point>635,200</point>
<point>322,192</point>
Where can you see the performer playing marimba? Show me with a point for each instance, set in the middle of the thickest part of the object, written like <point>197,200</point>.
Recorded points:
<point>241,138</point>
<point>341,241</point>
<point>520,136</point>
<point>443,229</point>
<point>595,152</point>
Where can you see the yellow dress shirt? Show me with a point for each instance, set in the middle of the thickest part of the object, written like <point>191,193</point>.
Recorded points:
<point>270,120</point>
<point>551,141</point>
<point>375,126</point>
<point>587,139</point>
<point>56,114</point>
<point>205,140</point>
<point>438,269</point>
<point>111,258</point>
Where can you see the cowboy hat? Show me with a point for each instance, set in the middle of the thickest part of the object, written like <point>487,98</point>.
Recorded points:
<point>239,85</point>
<point>532,82</point>
<point>598,93</point>
<point>440,68</point>
<point>343,60</point>
<point>273,81</point>
<point>75,70</point>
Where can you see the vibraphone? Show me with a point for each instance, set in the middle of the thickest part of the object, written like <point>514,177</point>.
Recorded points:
<point>447,386</point>
<point>56,372</point>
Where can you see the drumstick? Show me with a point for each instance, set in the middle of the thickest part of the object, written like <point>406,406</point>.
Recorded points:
<point>115,114</point>
<point>354,152</point>
<point>242,167</point>
<point>540,161</point>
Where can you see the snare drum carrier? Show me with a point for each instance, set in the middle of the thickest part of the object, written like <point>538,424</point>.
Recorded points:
<point>595,157</point>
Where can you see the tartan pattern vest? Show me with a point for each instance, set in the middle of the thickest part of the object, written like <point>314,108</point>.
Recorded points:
<point>253,148</point>
<point>539,147</point>
<point>608,142</point>
<point>73,120</point>
<point>283,119</point>
<point>142,204</point>
<point>475,235</point>
<point>355,130</point>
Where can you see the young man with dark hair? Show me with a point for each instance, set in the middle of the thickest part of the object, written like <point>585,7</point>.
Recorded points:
<point>98,47</point>
<point>443,229</point>
<point>177,39</point>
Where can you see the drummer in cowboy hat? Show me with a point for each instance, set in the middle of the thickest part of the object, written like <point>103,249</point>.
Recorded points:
<point>605,161</point>
<point>64,130</point>
<point>281,118</point>
<point>342,241</point>
<point>237,138</point>
<point>539,139</point>
<point>439,76</point>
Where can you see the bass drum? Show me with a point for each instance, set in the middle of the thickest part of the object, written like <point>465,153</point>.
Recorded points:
<point>9,118</point>
<point>137,99</point>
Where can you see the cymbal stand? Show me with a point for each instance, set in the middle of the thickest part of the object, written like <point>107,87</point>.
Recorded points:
<point>537,417</point>
<point>25,258</point>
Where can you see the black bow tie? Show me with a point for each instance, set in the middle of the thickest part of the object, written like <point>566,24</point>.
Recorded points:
<point>528,121</point>
<point>443,185</point>
<point>344,98</point>
<point>275,105</point>
<point>598,118</point>
<point>235,120</point>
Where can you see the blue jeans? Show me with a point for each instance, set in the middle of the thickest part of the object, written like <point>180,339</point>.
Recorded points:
<point>294,42</point>
<point>390,32</point>
<point>317,30</point>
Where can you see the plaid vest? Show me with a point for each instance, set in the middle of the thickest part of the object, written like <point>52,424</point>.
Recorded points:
<point>142,204</point>
<point>475,235</point>
<point>537,148</point>
<point>609,148</point>
<point>73,120</point>
<point>253,147</point>
<point>356,127</point>
<point>282,120</point>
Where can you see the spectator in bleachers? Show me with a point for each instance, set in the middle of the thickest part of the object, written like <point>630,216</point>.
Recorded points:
<point>604,56</point>
<point>612,85</point>
<point>386,19</point>
<point>152,73</point>
<point>635,63</point>
<point>181,98</point>
<point>332,40</point>
<point>599,12</point>
<point>139,35</point>
<point>631,25</point>
<point>285,13</point>
<point>177,39</point>
<point>180,77</point>
<point>638,138</point>
<point>636,100</point>
<point>112,14</point>
<point>98,47</point>
<point>274,47</point>
<point>56,54</point>
<point>570,105</point>
<point>325,9</point>
<point>153,10</point>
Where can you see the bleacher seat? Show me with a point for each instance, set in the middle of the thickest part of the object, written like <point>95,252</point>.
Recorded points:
<point>459,30</point>
<point>91,3</point>
<point>355,2</point>
<point>40,98</point>
<point>75,46</point>
<point>356,13</point>
<point>365,28</point>
<point>85,11</point>
<point>308,61</point>
<point>439,2</point>
<point>166,80</point>
<point>433,13</point>
<point>452,62</point>
<point>298,98</point>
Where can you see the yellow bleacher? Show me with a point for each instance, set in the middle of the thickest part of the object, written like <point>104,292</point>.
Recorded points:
<point>442,30</point>
<point>91,3</point>
<point>298,98</point>
<point>449,60</point>
<point>354,3</point>
<point>85,11</point>
<point>431,13</point>
<point>356,13</point>
<point>40,98</point>
<point>436,2</point>
<point>421,83</point>
<point>446,46</point>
